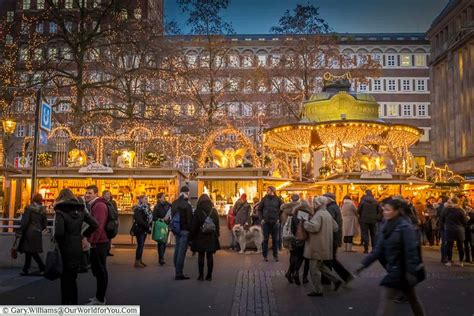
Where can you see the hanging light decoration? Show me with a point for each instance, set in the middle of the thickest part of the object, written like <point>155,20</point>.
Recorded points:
<point>8,126</point>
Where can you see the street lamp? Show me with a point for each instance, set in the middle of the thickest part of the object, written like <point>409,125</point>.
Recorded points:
<point>8,126</point>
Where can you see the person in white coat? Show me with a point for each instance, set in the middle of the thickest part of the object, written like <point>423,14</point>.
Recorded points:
<point>318,248</point>
<point>350,222</point>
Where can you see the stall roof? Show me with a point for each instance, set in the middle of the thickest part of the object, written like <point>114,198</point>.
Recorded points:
<point>410,181</point>
<point>97,176</point>
<point>232,178</point>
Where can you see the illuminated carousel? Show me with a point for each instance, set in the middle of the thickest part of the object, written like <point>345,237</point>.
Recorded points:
<point>344,146</point>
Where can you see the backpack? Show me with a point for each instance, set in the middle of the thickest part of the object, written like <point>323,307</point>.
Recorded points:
<point>160,231</point>
<point>112,224</point>
<point>175,224</point>
<point>287,235</point>
<point>208,227</point>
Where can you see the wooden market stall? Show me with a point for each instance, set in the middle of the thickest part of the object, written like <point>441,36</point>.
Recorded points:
<point>125,184</point>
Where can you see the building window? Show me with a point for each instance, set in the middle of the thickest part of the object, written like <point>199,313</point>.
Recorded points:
<point>20,130</point>
<point>407,110</point>
<point>421,110</point>
<point>248,132</point>
<point>26,4</point>
<point>262,87</point>
<point>39,27</point>
<point>405,60</point>
<point>137,14</point>
<point>95,3</point>
<point>68,4</point>
<point>233,109</point>
<point>25,27</point>
<point>246,109</point>
<point>406,85</point>
<point>234,61</point>
<point>391,60</point>
<point>392,110</point>
<point>23,54</point>
<point>420,85</point>
<point>18,106</point>
<point>10,16</point>
<point>190,110</point>
<point>391,85</point>
<point>262,60</point>
<point>8,39</point>
<point>191,60</point>
<point>69,26</point>
<point>420,60</point>
<point>53,27</point>
<point>124,14</point>
<point>233,84</point>
<point>40,4</point>
<point>275,60</point>
<point>363,87</point>
<point>426,135</point>
<point>38,54</point>
<point>377,85</point>
<point>247,61</point>
<point>377,58</point>
<point>67,53</point>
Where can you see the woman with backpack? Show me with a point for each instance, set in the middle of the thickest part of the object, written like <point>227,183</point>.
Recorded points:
<point>70,215</point>
<point>399,251</point>
<point>205,235</point>
<point>142,219</point>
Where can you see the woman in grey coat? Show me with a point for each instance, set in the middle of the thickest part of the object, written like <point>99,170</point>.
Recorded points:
<point>350,222</point>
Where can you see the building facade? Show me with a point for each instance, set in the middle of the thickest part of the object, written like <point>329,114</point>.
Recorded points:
<point>452,84</point>
<point>402,87</point>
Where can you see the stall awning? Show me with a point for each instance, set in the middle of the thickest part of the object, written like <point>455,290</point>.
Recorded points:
<point>407,181</point>
<point>97,176</point>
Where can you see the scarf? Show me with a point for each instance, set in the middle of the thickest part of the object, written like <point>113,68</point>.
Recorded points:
<point>146,210</point>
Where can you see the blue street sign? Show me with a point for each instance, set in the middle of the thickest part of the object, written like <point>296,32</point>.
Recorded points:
<point>45,121</point>
<point>43,137</point>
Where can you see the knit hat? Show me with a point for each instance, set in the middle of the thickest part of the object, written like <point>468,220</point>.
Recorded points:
<point>272,188</point>
<point>320,201</point>
<point>295,197</point>
<point>330,195</point>
<point>184,189</point>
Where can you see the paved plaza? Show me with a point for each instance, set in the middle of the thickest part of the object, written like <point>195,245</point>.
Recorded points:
<point>245,285</point>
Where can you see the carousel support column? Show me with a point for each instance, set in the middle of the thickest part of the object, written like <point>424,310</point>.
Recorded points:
<point>11,206</point>
<point>200,188</point>
<point>400,189</point>
<point>34,169</point>
<point>260,188</point>
<point>300,162</point>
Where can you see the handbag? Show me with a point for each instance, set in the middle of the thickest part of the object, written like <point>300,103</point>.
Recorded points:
<point>54,264</point>
<point>301,233</point>
<point>160,231</point>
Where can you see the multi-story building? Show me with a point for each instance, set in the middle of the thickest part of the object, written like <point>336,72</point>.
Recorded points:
<point>452,83</point>
<point>401,86</point>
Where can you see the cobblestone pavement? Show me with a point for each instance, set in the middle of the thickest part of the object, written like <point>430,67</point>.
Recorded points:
<point>246,285</point>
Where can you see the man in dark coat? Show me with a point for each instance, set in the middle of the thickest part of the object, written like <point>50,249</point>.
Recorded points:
<point>107,195</point>
<point>269,208</point>
<point>335,212</point>
<point>368,215</point>
<point>160,211</point>
<point>441,214</point>
<point>182,207</point>
<point>33,222</point>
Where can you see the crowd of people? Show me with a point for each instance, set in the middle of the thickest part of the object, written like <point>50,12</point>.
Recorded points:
<point>393,229</point>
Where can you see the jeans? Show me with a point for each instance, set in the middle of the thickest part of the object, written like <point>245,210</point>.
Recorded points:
<point>317,269</point>
<point>36,257</point>
<point>161,247</point>
<point>366,230</point>
<point>273,230</point>
<point>140,245</point>
<point>469,250</point>
<point>210,263</point>
<point>69,287</point>
<point>99,268</point>
<point>387,304</point>
<point>180,249</point>
<point>459,245</point>
<point>444,246</point>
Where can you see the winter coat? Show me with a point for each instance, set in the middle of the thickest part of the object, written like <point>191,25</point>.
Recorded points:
<point>202,242</point>
<point>69,217</point>
<point>420,210</point>
<point>160,210</point>
<point>142,219</point>
<point>98,210</point>
<point>350,222</point>
<point>302,207</point>
<point>399,252</point>
<point>455,223</point>
<point>335,212</point>
<point>33,222</point>
<point>287,209</point>
<point>368,210</point>
<point>432,217</point>
<point>182,206</point>
<point>470,226</point>
<point>241,212</point>
<point>321,228</point>
<point>269,209</point>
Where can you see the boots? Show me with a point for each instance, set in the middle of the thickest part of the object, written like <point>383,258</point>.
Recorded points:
<point>142,263</point>
<point>138,264</point>
<point>296,278</point>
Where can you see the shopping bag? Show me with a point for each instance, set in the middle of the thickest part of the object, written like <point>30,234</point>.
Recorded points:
<point>160,231</point>
<point>54,265</point>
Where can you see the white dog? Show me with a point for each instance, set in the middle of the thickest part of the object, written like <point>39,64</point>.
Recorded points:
<point>253,234</point>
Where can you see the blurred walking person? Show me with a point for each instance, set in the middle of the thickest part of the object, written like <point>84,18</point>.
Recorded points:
<point>319,247</point>
<point>142,220</point>
<point>399,251</point>
<point>205,235</point>
<point>455,225</point>
<point>33,222</point>
<point>68,221</point>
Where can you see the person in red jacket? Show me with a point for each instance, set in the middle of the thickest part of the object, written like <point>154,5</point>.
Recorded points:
<point>100,243</point>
